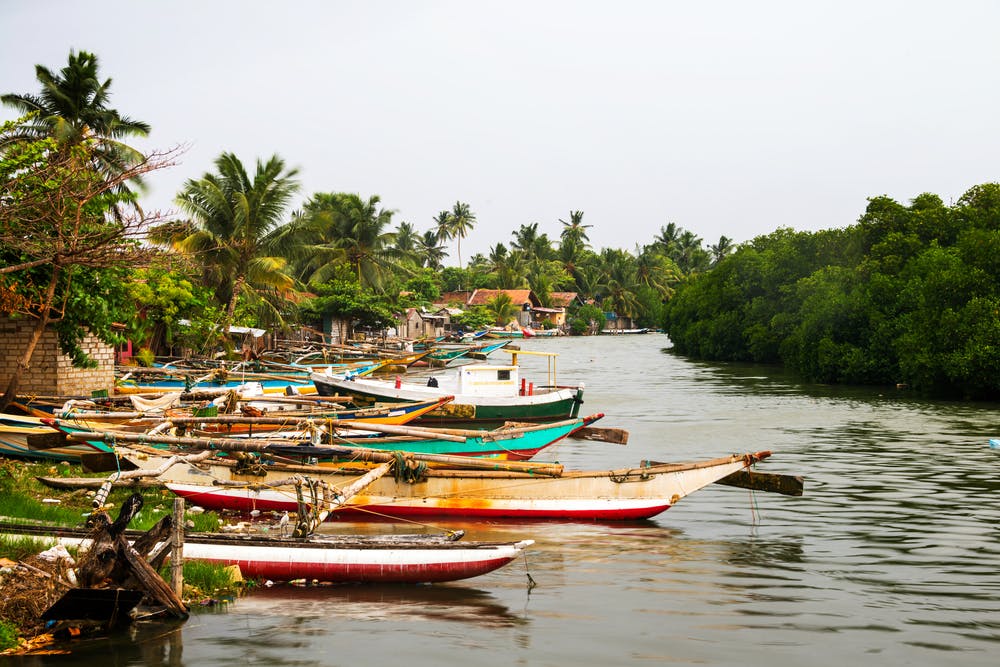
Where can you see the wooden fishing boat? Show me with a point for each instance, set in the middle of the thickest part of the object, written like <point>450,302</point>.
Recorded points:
<point>325,441</point>
<point>481,393</point>
<point>257,421</point>
<point>329,558</point>
<point>544,493</point>
<point>153,380</point>
<point>25,437</point>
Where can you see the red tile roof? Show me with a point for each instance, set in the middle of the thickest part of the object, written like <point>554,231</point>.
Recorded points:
<point>518,297</point>
<point>561,299</point>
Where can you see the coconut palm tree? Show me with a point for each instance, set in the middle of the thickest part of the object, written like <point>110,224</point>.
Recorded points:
<point>575,231</point>
<point>442,226</point>
<point>234,217</point>
<point>72,107</point>
<point>460,223</point>
<point>344,228</point>
<point>430,250</point>
<point>721,249</point>
<point>406,238</point>
<point>501,308</point>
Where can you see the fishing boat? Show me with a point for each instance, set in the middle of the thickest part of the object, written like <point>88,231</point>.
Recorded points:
<point>522,332</point>
<point>155,380</point>
<point>28,438</point>
<point>481,393</point>
<point>545,492</point>
<point>258,416</point>
<point>333,440</point>
<point>329,558</point>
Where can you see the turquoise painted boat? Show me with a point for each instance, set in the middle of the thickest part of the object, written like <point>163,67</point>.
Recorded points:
<point>512,442</point>
<point>29,438</point>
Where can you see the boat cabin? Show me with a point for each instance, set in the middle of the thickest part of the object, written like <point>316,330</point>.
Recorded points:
<point>488,380</point>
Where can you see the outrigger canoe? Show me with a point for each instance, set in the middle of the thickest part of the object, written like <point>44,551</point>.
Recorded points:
<point>330,558</point>
<point>546,493</point>
<point>339,438</point>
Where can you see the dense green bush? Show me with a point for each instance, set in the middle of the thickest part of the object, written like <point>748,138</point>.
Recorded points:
<point>910,294</point>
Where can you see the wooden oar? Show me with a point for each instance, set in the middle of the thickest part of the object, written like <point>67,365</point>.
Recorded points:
<point>354,453</point>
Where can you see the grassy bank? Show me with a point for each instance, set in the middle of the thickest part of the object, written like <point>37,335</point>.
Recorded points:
<point>24,499</point>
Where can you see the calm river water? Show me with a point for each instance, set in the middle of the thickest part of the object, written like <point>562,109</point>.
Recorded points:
<point>891,557</point>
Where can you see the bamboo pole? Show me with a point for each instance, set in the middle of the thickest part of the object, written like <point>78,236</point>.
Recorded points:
<point>177,549</point>
<point>355,453</point>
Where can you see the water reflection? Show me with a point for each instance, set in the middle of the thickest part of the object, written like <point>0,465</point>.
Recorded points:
<point>451,603</point>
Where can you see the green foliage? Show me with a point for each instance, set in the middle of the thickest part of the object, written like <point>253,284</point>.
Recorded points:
<point>8,635</point>
<point>424,285</point>
<point>345,299</point>
<point>585,319</point>
<point>501,309</point>
<point>21,547</point>
<point>475,318</point>
<point>207,579</point>
<point>911,294</point>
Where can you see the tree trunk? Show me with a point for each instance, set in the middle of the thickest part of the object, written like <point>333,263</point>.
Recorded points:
<point>24,363</point>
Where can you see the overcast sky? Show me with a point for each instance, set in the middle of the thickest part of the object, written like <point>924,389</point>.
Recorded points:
<point>727,118</point>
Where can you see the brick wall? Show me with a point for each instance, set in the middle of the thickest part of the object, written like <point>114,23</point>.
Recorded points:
<point>51,372</point>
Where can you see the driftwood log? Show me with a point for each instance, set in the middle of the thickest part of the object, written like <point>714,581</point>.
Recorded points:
<point>113,561</point>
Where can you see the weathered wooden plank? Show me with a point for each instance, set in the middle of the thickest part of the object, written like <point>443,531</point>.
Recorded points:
<point>617,436</point>
<point>787,485</point>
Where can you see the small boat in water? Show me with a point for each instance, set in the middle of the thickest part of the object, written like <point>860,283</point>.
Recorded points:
<point>340,559</point>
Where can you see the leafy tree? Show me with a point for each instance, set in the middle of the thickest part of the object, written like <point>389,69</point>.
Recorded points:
<point>344,228</point>
<point>460,223</point>
<point>67,233</point>
<point>72,108</point>
<point>424,285</point>
<point>430,249</point>
<point>348,300</point>
<point>587,319</point>
<point>501,308</point>
<point>234,218</point>
<point>474,319</point>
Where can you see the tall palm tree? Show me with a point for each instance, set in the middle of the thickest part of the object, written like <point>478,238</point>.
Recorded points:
<point>460,223</point>
<point>430,249</point>
<point>667,238</point>
<point>531,243</point>
<point>575,231</point>
<point>235,217</point>
<point>721,249</point>
<point>442,226</point>
<point>344,228</point>
<point>73,107</point>
<point>406,238</point>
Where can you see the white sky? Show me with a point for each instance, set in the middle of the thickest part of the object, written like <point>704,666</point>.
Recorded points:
<point>728,118</point>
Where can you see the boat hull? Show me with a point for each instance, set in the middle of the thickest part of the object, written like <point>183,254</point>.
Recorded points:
<point>344,561</point>
<point>634,493</point>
